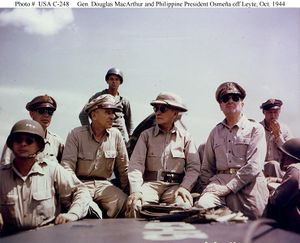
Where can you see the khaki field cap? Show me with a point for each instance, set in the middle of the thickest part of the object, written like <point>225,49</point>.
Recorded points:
<point>170,99</point>
<point>229,88</point>
<point>105,101</point>
<point>271,104</point>
<point>42,101</point>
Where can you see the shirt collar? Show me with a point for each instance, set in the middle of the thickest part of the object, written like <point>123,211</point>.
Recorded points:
<point>157,130</point>
<point>92,133</point>
<point>35,169</point>
<point>240,124</point>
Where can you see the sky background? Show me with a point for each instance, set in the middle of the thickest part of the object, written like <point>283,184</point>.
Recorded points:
<point>65,53</point>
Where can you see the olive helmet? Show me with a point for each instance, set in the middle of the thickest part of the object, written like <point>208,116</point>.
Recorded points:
<point>114,71</point>
<point>292,148</point>
<point>27,126</point>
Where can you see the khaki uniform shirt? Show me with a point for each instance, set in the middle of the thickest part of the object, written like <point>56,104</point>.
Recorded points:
<point>86,157</point>
<point>31,201</point>
<point>172,151</point>
<point>273,144</point>
<point>54,146</point>
<point>242,147</point>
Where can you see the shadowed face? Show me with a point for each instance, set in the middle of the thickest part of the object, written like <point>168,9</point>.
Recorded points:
<point>24,145</point>
<point>114,82</point>
<point>42,116</point>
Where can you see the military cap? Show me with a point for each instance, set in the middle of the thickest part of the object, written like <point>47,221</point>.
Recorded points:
<point>271,104</point>
<point>42,101</point>
<point>170,99</point>
<point>229,88</point>
<point>105,101</point>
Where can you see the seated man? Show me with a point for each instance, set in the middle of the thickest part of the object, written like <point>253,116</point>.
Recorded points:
<point>93,152</point>
<point>165,164</point>
<point>284,203</point>
<point>231,170</point>
<point>29,186</point>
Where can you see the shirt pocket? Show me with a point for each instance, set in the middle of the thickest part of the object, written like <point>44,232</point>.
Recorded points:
<point>240,148</point>
<point>8,206</point>
<point>177,162</point>
<point>153,160</point>
<point>109,160</point>
<point>85,163</point>
<point>43,203</point>
<point>220,149</point>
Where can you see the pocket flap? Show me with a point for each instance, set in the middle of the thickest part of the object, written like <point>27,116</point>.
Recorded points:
<point>177,154</point>
<point>110,154</point>
<point>41,195</point>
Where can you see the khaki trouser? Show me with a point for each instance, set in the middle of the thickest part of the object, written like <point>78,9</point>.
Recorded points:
<point>109,197</point>
<point>158,192</point>
<point>251,200</point>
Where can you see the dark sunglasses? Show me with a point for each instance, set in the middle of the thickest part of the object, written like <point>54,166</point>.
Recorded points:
<point>28,140</point>
<point>234,97</point>
<point>43,111</point>
<point>161,108</point>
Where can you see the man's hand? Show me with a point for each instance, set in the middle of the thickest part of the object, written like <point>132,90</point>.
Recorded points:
<point>275,128</point>
<point>65,218</point>
<point>133,199</point>
<point>219,190</point>
<point>273,179</point>
<point>184,194</point>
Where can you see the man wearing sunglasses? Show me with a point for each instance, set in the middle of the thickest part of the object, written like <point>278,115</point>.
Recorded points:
<point>276,134</point>
<point>234,154</point>
<point>29,185</point>
<point>164,165</point>
<point>41,109</point>
<point>93,152</point>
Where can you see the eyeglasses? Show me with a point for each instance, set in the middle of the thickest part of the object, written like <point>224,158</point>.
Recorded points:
<point>43,111</point>
<point>20,139</point>
<point>234,97</point>
<point>161,108</point>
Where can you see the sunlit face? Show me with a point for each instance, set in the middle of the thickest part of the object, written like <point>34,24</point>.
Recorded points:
<point>165,115</point>
<point>42,116</point>
<point>114,82</point>
<point>231,104</point>
<point>271,115</point>
<point>103,117</point>
<point>24,145</point>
